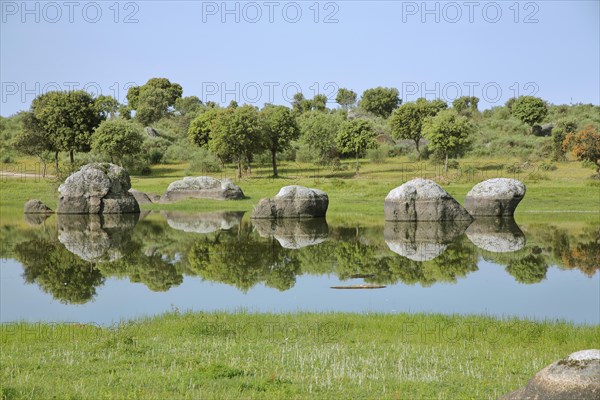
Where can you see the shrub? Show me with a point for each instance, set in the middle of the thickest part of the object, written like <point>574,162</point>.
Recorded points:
<point>514,169</point>
<point>548,166</point>
<point>179,152</point>
<point>377,156</point>
<point>538,176</point>
<point>204,161</point>
<point>304,155</point>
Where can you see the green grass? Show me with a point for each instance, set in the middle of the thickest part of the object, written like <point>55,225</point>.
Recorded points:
<point>568,189</point>
<point>241,355</point>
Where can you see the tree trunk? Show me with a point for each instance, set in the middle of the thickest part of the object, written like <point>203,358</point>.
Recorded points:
<point>56,161</point>
<point>446,163</point>
<point>71,158</point>
<point>239,168</point>
<point>357,163</point>
<point>274,159</point>
<point>418,151</point>
<point>43,166</point>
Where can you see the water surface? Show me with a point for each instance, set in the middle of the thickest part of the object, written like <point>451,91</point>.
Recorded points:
<point>103,269</point>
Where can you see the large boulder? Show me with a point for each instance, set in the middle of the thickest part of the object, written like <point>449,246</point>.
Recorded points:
<point>422,200</point>
<point>498,197</point>
<point>144,198</point>
<point>293,233</point>
<point>35,206</point>
<point>574,377</point>
<point>293,202</point>
<point>202,187</point>
<point>206,222</point>
<point>97,188</point>
<point>96,238</point>
<point>422,240</point>
<point>497,235</point>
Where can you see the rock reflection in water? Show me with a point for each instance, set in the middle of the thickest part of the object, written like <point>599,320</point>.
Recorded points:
<point>206,222</point>
<point>498,235</point>
<point>422,240</point>
<point>96,237</point>
<point>36,219</point>
<point>293,233</point>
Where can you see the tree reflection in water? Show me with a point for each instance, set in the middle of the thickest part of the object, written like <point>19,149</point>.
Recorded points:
<point>71,256</point>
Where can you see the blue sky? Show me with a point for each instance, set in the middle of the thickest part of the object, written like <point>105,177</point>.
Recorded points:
<point>263,51</point>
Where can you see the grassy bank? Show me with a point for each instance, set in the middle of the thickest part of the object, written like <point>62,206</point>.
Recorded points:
<point>220,355</point>
<point>566,189</point>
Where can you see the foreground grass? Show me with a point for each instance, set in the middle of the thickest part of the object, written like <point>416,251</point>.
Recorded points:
<point>219,355</point>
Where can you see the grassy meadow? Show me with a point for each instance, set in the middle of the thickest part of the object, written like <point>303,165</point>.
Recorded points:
<point>567,189</point>
<point>329,355</point>
<point>264,356</point>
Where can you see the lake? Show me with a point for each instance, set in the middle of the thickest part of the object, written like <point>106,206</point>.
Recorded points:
<point>105,269</point>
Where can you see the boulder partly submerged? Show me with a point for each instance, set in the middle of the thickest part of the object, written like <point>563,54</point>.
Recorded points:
<point>574,377</point>
<point>293,233</point>
<point>498,197</point>
<point>144,198</point>
<point>422,240</point>
<point>423,200</point>
<point>497,235</point>
<point>202,187</point>
<point>97,188</point>
<point>35,206</point>
<point>293,202</point>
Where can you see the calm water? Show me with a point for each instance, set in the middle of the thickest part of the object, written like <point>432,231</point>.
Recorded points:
<point>104,269</point>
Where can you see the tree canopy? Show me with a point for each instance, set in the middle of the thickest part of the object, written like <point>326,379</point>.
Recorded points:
<point>236,134</point>
<point>530,110</point>
<point>154,100</point>
<point>406,122</point>
<point>380,101</point>
<point>279,129</point>
<point>355,136</point>
<point>448,134</point>
<point>345,98</point>
<point>69,117</point>
<point>118,138</point>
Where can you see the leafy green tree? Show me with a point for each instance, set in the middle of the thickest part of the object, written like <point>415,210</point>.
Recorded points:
<point>279,129</point>
<point>118,138</point>
<point>188,105</point>
<point>154,100</point>
<point>465,104</point>
<point>233,104</point>
<point>70,119</point>
<point>201,126</point>
<point>380,101</point>
<point>345,98</point>
<point>530,110</point>
<point>319,102</point>
<point>33,140</point>
<point>236,134</point>
<point>355,136</point>
<point>107,106</point>
<point>406,121</point>
<point>300,104</point>
<point>318,131</point>
<point>509,103</point>
<point>448,134</point>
